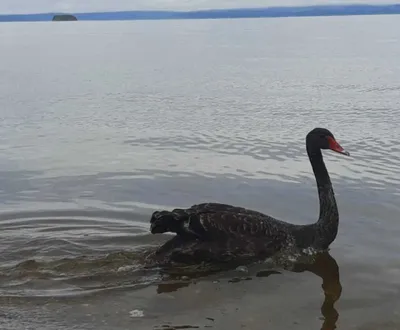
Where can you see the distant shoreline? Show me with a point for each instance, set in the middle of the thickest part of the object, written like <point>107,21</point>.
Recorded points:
<point>266,12</point>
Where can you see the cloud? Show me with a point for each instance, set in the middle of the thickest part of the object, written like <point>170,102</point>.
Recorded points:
<point>40,6</point>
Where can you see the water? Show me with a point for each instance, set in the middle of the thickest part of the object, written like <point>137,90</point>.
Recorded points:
<point>104,122</point>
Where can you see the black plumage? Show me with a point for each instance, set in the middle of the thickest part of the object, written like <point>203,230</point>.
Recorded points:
<point>222,232</point>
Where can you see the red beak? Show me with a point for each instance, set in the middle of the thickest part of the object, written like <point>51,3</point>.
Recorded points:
<point>333,145</point>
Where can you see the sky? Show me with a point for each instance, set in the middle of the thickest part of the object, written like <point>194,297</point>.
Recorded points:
<point>43,6</point>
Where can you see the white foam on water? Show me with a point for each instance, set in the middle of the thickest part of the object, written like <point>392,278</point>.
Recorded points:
<point>136,313</point>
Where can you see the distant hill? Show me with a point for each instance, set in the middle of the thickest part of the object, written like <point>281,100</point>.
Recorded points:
<point>298,11</point>
<point>64,17</point>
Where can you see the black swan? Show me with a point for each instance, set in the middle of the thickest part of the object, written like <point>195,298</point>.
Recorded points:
<point>221,232</point>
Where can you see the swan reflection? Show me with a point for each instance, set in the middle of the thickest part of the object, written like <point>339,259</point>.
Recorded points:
<point>323,265</point>
<point>326,267</point>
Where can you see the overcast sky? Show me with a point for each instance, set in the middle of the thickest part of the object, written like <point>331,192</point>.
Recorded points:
<point>39,6</point>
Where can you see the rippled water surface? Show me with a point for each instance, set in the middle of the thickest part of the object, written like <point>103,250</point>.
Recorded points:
<point>104,122</point>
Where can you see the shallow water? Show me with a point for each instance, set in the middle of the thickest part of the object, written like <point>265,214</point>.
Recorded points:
<point>102,123</point>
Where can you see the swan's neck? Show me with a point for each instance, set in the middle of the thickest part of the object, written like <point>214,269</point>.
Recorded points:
<point>328,220</point>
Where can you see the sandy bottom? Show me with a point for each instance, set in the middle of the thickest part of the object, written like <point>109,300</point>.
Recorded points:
<point>319,296</point>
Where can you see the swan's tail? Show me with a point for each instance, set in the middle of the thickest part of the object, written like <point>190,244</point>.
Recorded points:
<point>166,221</point>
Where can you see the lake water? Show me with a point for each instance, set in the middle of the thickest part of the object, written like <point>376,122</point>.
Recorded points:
<point>104,122</point>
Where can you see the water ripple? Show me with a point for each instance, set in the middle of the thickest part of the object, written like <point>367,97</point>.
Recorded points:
<point>138,121</point>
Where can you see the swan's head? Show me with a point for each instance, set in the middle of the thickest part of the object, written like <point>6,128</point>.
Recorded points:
<point>322,138</point>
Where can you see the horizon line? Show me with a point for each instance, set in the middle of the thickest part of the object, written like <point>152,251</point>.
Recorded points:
<point>240,12</point>
<point>353,4</point>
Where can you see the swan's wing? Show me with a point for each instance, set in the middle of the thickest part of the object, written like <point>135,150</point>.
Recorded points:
<point>219,207</point>
<point>214,221</point>
<point>225,224</point>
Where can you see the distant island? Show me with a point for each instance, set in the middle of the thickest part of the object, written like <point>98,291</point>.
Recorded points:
<point>65,17</point>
